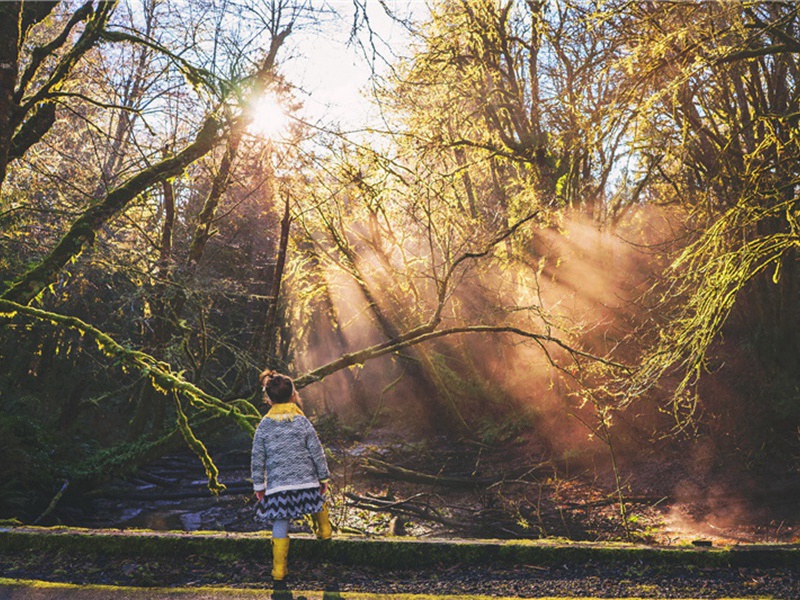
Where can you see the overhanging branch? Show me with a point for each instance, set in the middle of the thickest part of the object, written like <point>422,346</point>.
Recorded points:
<point>395,345</point>
<point>83,230</point>
<point>159,372</point>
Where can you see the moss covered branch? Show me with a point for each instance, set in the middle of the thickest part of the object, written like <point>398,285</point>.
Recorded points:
<point>97,19</point>
<point>711,274</point>
<point>198,447</point>
<point>242,412</point>
<point>40,53</point>
<point>83,230</point>
<point>198,78</point>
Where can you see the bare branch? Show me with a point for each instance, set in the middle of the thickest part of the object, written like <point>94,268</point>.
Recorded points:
<point>425,334</point>
<point>444,284</point>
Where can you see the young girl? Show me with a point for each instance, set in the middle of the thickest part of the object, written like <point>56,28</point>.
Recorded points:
<point>290,474</point>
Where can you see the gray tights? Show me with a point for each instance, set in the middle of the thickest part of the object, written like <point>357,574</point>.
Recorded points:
<point>280,528</point>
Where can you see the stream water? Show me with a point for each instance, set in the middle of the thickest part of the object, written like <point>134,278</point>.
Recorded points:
<point>171,493</point>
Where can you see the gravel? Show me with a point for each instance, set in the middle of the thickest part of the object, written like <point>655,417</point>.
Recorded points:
<point>575,580</point>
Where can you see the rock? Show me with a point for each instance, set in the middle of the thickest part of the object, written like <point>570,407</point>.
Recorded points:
<point>191,521</point>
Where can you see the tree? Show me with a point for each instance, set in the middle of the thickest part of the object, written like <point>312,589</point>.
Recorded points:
<point>133,164</point>
<point>523,101</point>
<point>719,121</point>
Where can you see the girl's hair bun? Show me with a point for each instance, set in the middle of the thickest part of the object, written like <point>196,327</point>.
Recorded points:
<point>278,387</point>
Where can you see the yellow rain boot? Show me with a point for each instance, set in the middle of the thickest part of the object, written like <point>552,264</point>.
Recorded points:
<point>280,556</point>
<point>322,523</point>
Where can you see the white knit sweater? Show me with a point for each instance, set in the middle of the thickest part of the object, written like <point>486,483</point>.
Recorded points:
<point>287,455</point>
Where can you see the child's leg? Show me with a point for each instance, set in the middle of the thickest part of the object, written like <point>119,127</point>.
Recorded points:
<point>280,549</point>
<point>280,528</point>
<point>322,523</point>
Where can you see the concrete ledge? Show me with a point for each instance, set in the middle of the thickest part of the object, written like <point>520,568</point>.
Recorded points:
<point>390,553</point>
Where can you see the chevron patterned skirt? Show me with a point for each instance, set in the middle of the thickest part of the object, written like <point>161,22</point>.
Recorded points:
<point>289,504</point>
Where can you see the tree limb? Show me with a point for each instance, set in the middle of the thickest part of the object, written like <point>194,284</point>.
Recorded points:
<point>95,26</point>
<point>756,52</point>
<point>385,469</point>
<point>32,130</point>
<point>424,334</point>
<point>196,76</point>
<point>404,507</point>
<point>444,284</point>
<point>83,230</point>
<point>53,503</point>
<point>41,52</point>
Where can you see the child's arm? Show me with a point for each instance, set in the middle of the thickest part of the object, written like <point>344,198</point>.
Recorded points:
<point>317,453</point>
<point>258,462</point>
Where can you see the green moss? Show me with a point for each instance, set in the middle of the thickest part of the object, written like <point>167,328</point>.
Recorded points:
<point>394,553</point>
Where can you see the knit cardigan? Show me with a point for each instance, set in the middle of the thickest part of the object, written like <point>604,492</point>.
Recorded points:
<point>287,454</point>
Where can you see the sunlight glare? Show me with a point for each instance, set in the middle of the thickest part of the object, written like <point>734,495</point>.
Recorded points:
<point>269,118</point>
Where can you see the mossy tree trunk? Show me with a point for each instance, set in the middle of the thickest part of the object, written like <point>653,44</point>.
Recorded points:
<point>27,112</point>
<point>9,69</point>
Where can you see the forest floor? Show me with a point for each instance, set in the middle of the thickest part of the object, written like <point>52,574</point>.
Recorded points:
<point>388,484</point>
<point>424,586</point>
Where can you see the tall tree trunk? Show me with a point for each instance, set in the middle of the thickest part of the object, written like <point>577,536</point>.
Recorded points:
<point>15,18</point>
<point>269,330</point>
<point>171,311</point>
<point>9,70</point>
<point>205,220</point>
<point>263,344</point>
<point>160,331</point>
<point>461,161</point>
<point>165,248</point>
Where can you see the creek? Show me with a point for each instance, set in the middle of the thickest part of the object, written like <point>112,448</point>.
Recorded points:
<point>171,493</point>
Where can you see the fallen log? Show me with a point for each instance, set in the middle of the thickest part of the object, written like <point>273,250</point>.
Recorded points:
<point>195,491</point>
<point>383,469</point>
<point>155,479</point>
<point>467,522</point>
<point>53,503</point>
<point>651,500</point>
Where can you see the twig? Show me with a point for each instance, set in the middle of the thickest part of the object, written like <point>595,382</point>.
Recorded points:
<point>53,503</point>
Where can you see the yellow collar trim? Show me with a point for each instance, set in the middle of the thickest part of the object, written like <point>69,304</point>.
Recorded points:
<point>284,411</point>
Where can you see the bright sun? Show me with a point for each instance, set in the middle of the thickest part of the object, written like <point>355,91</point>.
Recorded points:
<point>269,118</point>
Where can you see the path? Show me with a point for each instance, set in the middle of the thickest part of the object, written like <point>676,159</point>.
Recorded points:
<point>142,564</point>
<point>37,590</point>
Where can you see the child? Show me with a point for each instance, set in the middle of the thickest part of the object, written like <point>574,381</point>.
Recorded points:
<point>290,474</point>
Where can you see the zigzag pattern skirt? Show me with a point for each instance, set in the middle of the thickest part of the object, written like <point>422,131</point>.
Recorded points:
<point>289,504</point>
